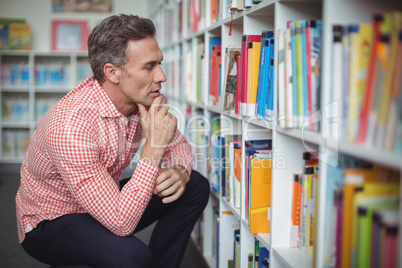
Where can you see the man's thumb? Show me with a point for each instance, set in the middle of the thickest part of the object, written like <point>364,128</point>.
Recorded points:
<point>142,110</point>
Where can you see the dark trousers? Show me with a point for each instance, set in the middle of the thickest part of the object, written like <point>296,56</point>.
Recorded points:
<point>78,240</point>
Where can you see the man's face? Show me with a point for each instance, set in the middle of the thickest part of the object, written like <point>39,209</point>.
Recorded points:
<point>142,74</point>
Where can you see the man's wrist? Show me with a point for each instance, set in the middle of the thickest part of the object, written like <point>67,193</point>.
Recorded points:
<point>152,154</point>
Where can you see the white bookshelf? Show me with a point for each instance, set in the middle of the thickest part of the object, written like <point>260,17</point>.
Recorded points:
<point>288,144</point>
<point>31,91</point>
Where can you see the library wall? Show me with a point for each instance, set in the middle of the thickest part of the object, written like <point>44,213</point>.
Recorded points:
<point>39,15</point>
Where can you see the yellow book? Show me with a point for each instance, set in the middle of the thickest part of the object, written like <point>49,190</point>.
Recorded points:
<point>254,51</point>
<point>19,36</point>
<point>260,196</point>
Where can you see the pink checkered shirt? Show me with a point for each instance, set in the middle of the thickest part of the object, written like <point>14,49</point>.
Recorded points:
<point>75,159</point>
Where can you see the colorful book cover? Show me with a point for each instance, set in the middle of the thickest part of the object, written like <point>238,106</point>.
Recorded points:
<point>230,79</point>
<point>19,36</point>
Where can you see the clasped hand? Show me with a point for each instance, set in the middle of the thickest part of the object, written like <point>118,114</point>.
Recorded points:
<point>171,183</point>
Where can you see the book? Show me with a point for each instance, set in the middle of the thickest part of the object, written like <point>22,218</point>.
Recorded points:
<point>238,84</point>
<point>262,73</point>
<point>215,60</point>
<point>296,206</point>
<point>244,69</point>
<point>269,107</point>
<point>335,100</point>
<point>299,32</point>
<point>281,79</point>
<point>252,147</point>
<point>353,178</point>
<point>230,78</point>
<point>254,50</point>
<point>387,115</point>
<point>3,36</point>
<point>260,197</point>
<point>374,130</point>
<point>353,87</point>
<point>19,36</point>
<point>397,93</point>
<point>289,79</point>
<point>315,54</point>
<point>371,80</point>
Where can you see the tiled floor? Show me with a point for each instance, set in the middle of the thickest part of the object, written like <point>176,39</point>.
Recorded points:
<point>11,253</point>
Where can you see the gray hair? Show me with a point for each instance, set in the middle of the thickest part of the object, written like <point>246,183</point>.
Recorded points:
<point>108,41</point>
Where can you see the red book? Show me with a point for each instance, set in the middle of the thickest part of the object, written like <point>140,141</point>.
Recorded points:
<point>246,38</point>
<point>365,110</point>
<point>214,73</point>
<point>238,81</point>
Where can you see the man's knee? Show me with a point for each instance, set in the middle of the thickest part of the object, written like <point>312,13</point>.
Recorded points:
<point>131,254</point>
<point>201,188</point>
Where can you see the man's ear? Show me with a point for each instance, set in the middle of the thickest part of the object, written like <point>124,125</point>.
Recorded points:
<point>112,73</point>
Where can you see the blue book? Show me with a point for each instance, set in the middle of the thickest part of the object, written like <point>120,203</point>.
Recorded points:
<point>262,72</point>
<point>263,257</point>
<point>269,110</point>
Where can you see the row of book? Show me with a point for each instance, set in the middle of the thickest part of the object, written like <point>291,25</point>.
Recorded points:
<point>362,215</point>
<point>45,74</point>
<point>304,204</point>
<point>14,142</point>
<point>299,68</point>
<point>16,74</point>
<point>16,108</point>
<point>259,258</point>
<point>366,94</point>
<point>248,81</point>
<point>55,73</point>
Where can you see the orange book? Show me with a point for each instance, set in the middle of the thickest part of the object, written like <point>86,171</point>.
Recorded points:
<point>295,217</point>
<point>260,199</point>
<point>353,179</point>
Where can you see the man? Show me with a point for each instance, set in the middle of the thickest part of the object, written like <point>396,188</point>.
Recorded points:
<point>70,209</point>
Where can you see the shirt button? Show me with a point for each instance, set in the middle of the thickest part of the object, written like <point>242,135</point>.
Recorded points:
<point>124,135</point>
